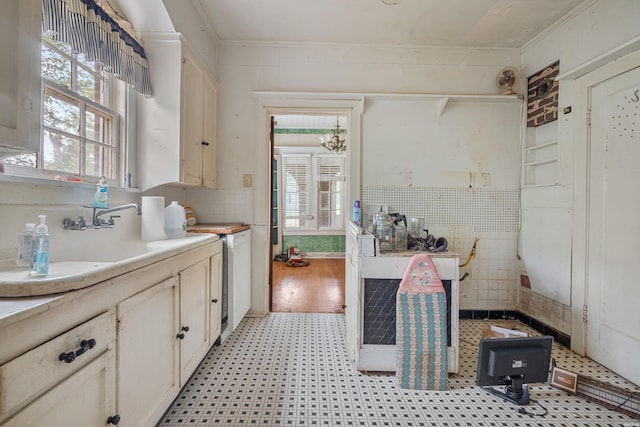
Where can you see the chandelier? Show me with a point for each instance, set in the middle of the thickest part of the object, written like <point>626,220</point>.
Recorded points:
<point>332,142</point>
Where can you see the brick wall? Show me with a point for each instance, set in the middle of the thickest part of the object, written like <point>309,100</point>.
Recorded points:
<point>542,96</point>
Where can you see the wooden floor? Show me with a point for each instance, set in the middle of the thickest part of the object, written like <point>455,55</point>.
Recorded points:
<point>316,288</point>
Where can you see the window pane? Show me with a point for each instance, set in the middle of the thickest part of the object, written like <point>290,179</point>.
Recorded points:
<point>60,152</point>
<point>98,126</point>
<point>61,114</point>
<point>88,85</point>
<point>94,154</point>
<point>55,67</point>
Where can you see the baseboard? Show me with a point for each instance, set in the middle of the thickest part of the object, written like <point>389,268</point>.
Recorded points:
<point>558,336</point>
<point>322,254</point>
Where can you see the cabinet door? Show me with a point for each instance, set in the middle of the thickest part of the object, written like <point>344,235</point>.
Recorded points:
<point>194,315</point>
<point>191,118</point>
<point>215,297</point>
<point>209,149</point>
<point>20,28</point>
<point>87,398</point>
<point>148,353</point>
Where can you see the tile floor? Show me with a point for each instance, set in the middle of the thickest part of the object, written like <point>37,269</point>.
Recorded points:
<point>292,369</point>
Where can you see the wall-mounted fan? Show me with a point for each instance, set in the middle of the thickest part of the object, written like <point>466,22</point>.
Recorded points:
<point>507,78</point>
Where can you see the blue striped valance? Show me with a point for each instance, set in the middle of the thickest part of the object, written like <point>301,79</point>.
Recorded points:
<point>92,27</point>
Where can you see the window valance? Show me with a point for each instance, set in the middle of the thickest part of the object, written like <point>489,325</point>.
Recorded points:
<point>93,28</point>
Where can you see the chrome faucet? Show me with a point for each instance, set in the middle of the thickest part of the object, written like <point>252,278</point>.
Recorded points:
<point>98,222</point>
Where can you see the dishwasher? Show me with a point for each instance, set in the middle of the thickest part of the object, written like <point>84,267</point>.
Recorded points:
<point>237,263</point>
<point>236,271</point>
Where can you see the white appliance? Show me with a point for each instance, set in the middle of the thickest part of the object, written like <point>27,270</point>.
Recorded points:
<point>238,267</point>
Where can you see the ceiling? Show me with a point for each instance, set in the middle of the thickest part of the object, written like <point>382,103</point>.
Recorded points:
<point>469,23</point>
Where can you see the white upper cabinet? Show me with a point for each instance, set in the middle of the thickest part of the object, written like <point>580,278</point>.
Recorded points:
<point>20,26</point>
<point>176,131</point>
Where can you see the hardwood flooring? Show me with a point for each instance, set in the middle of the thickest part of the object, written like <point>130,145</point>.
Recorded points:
<point>316,288</point>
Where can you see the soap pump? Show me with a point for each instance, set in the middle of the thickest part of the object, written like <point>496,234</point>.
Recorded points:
<point>40,252</point>
<point>100,198</point>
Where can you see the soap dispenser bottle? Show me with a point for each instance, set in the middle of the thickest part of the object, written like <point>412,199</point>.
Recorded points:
<point>100,198</point>
<point>40,252</point>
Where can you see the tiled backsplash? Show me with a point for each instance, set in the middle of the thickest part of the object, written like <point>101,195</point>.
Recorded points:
<point>484,209</point>
<point>461,215</point>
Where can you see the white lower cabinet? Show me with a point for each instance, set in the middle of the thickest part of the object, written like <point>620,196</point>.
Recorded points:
<point>193,335</point>
<point>87,398</point>
<point>116,354</point>
<point>147,353</point>
<point>73,379</point>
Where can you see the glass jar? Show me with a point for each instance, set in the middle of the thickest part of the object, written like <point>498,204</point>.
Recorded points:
<point>384,233</point>
<point>400,236</point>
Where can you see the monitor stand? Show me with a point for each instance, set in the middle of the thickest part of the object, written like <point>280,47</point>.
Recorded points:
<point>516,392</point>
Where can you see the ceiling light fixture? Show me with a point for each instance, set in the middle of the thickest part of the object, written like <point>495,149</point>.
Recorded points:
<point>332,142</point>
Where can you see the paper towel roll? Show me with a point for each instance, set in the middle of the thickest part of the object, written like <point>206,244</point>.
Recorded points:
<point>153,218</point>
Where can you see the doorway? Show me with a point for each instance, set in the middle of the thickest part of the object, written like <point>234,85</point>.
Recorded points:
<point>308,211</point>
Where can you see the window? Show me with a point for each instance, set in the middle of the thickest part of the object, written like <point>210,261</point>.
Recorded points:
<point>79,129</point>
<point>314,191</point>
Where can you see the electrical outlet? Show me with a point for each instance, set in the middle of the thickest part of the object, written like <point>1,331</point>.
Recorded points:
<point>247,180</point>
<point>486,179</point>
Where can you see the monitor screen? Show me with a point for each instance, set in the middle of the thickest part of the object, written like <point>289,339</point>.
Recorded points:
<point>513,363</point>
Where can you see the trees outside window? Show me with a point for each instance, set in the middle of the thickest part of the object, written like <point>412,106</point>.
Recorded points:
<point>79,129</point>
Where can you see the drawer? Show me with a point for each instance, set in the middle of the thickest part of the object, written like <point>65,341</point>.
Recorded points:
<point>36,371</point>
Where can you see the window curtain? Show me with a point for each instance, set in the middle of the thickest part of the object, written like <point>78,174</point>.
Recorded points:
<point>93,28</point>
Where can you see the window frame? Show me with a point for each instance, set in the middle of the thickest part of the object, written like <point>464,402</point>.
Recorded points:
<point>116,103</point>
<point>313,178</point>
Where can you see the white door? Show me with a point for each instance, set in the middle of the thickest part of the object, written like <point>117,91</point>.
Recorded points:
<point>613,294</point>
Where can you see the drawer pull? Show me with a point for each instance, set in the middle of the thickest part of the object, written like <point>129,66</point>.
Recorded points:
<point>185,328</point>
<point>85,345</point>
<point>180,336</point>
<point>215,300</point>
<point>113,420</point>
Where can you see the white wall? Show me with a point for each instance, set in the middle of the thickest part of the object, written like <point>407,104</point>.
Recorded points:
<point>467,138</point>
<point>22,200</point>
<point>601,28</point>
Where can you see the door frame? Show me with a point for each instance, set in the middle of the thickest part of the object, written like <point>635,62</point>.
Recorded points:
<point>581,219</point>
<point>277,103</point>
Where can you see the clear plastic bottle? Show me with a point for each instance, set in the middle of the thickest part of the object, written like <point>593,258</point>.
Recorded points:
<point>40,252</point>
<point>25,245</point>
<point>175,221</point>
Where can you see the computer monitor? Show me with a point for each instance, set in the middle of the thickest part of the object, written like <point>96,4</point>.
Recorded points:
<point>513,363</point>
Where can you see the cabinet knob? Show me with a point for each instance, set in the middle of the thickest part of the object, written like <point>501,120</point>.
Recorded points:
<point>85,345</point>
<point>205,143</point>
<point>215,300</point>
<point>344,306</point>
<point>185,328</point>
<point>113,420</point>
<point>180,336</point>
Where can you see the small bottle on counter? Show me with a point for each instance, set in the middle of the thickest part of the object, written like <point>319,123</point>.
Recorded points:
<point>25,245</point>
<point>40,250</point>
<point>101,196</point>
<point>356,212</point>
<point>175,220</point>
